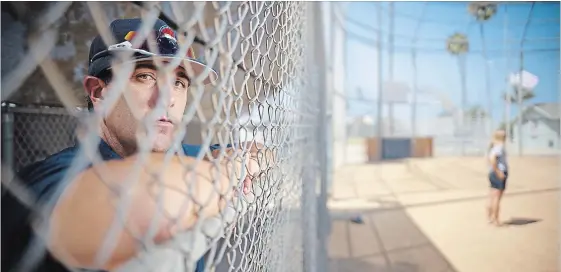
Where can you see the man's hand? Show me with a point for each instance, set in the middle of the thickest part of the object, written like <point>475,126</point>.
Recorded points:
<point>163,196</point>
<point>256,160</point>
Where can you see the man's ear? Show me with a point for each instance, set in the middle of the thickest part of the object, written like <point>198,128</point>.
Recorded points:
<point>94,88</point>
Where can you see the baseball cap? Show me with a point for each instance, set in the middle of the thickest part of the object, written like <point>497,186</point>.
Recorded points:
<point>124,31</point>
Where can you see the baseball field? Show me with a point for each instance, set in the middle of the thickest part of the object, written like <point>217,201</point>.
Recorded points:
<point>429,215</point>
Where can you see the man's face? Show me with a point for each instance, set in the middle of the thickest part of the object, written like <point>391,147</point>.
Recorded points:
<point>152,107</point>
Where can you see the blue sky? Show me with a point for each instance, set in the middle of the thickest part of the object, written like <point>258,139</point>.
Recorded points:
<point>437,70</point>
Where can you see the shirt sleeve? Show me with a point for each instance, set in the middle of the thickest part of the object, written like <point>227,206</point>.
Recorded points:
<point>191,150</point>
<point>40,181</point>
<point>497,151</point>
<point>194,150</point>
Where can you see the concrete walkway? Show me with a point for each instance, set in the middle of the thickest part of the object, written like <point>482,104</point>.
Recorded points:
<point>429,215</point>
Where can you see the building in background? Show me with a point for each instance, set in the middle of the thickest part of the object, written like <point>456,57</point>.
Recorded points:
<point>540,129</point>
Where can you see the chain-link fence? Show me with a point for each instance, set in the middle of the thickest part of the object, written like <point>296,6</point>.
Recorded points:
<point>261,110</point>
<point>37,133</point>
<point>316,85</point>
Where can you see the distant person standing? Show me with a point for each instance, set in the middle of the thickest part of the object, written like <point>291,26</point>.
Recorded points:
<point>498,174</point>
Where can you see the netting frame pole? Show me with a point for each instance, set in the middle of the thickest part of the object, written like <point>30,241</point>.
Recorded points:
<point>7,139</point>
<point>461,58</point>
<point>316,221</point>
<point>520,105</point>
<point>379,108</point>
<point>508,96</point>
<point>330,142</point>
<point>415,88</point>
<point>323,224</point>
<point>488,90</point>
<point>309,180</point>
<point>519,99</point>
<point>391,26</point>
<point>414,101</point>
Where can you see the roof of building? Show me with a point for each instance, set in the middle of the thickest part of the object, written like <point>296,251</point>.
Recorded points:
<point>549,110</point>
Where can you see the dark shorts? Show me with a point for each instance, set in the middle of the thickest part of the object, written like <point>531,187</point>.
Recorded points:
<point>497,183</point>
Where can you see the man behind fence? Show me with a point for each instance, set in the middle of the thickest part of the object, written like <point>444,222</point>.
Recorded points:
<point>86,206</point>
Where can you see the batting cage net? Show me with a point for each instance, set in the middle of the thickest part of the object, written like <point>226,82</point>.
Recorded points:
<point>253,111</point>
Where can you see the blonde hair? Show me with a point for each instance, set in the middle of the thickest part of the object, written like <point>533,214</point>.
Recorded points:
<point>499,136</point>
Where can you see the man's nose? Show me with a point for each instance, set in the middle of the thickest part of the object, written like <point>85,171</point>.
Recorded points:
<point>163,94</point>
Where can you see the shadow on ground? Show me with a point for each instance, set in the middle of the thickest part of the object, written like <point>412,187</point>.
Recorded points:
<point>360,265</point>
<point>520,221</point>
<point>386,240</point>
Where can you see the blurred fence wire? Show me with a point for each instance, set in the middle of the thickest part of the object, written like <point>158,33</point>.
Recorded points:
<point>286,79</point>
<point>263,94</point>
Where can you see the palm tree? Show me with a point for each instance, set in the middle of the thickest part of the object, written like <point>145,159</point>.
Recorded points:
<point>482,11</point>
<point>458,45</point>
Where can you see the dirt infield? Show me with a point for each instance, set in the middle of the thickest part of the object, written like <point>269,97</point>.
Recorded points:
<point>428,215</point>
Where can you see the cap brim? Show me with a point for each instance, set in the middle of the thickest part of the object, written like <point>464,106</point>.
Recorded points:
<point>197,67</point>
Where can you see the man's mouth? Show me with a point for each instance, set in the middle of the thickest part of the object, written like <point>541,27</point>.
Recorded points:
<point>164,121</point>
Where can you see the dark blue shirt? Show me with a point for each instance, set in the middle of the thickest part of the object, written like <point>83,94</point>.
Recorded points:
<point>43,179</point>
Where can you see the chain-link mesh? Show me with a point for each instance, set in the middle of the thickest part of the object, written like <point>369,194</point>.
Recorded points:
<point>259,98</point>
<point>30,127</point>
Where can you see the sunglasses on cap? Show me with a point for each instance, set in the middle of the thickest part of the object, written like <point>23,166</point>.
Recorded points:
<point>165,44</point>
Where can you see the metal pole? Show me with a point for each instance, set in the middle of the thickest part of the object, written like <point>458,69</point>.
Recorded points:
<point>390,64</point>
<point>415,83</point>
<point>345,76</point>
<point>414,101</point>
<point>507,69</point>
<point>309,211</point>
<point>520,106</point>
<point>334,132</point>
<point>323,224</point>
<point>379,125</point>
<point>462,67</point>
<point>309,215</point>
<point>521,83</point>
<point>487,84</point>
<point>7,141</point>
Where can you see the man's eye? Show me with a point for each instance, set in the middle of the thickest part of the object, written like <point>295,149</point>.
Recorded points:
<point>180,84</point>
<point>144,77</point>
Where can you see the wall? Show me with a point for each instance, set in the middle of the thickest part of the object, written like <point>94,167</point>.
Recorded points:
<point>421,148</point>
<point>539,136</point>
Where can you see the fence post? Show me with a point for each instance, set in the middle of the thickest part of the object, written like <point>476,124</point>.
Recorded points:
<point>314,163</point>
<point>7,139</point>
<point>318,61</point>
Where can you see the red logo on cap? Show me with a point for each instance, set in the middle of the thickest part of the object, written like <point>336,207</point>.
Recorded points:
<point>167,32</point>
